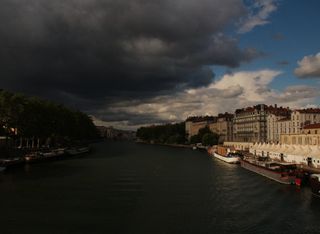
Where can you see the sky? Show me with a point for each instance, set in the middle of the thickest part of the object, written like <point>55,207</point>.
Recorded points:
<point>130,63</point>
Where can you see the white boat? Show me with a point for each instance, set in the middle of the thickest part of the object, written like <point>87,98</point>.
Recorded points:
<point>229,158</point>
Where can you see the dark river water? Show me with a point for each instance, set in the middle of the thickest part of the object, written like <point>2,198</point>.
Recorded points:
<point>133,188</point>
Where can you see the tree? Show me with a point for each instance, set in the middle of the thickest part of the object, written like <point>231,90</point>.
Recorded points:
<point>35,118</point>
<point>198,138</point>
<point>195,139</point>
<point>167,133</point>
<point>210,139</point>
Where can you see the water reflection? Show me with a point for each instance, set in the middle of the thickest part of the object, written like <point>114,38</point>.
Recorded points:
<point>132,188</point>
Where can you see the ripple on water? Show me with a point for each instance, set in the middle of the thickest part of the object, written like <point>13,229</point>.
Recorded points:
<point>129,188</point>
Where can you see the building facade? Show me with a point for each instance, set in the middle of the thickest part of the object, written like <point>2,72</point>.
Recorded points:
<point>195,123</point>
<point>250,124</point>
<point>273,127</point>
<point>284,126</point>
<point>301,118</point>
<point>308,155</point>
<point>310,135</point>
<point>223,127</point>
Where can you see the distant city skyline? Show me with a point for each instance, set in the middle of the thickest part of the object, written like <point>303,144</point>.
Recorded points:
<point>131,63</point>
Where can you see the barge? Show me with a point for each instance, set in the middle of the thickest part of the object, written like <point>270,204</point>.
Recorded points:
<point>229,158</point>
<point>77,150</point>
<point>278,171</point>
<point>315,184</point>
<point>225,154</point>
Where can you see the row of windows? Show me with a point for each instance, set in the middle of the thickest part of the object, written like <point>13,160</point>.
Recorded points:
<point>306,141</point>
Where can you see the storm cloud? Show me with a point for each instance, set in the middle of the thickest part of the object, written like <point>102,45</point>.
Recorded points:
<point>227,93</point>
<point>97,50</point>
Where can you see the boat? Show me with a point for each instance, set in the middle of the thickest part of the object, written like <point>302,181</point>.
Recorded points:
<point>77,151</point>
<point>229,158</point>
<point>46,155</point>
<point>281,172</point>
<point>225,154</point>
<point>302,177</point>
<point>11,162</point>
<point>315,184</point>
<point>2,169</point>
<point>34,157</point>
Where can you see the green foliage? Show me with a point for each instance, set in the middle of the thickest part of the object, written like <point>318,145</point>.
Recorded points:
<point>195,139</point>
<point>34,117</point>
<point>209,139</point>
<point>205,136</point>
<point>168,133</point>
<point>204,131</point>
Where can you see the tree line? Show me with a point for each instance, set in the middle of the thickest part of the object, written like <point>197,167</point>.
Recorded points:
<point>31,120</point>
<point>164,134</point>
<point>176,134</point>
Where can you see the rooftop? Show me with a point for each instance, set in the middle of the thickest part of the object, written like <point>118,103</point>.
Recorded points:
<point>201,118</point>
<point>284,119</point>
<point>312,126</point>
<point>226,115</point>
<point>309,111</point>
<point>270,109</point>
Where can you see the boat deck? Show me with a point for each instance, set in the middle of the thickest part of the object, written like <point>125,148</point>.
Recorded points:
<point>308,169</point>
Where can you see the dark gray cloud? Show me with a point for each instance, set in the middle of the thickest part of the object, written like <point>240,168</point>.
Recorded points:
<point>93,52</point>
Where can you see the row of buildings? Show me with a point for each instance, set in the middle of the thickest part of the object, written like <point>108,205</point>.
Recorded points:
<point>262,123</point>
<point>111,133</point>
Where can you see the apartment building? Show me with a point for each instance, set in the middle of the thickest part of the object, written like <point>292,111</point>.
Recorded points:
<point>250,124</point>
<point>303,117</point>
<point>223,127</point>
<point>276,121</point>
<point>310,135</point>
<point>195,123</point>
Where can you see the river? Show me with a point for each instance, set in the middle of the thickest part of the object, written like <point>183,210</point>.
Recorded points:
<point>124,187</point>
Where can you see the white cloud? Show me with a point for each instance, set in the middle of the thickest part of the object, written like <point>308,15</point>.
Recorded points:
<point>260,13</point>
<point>231,91</point>
<point>309,66</point>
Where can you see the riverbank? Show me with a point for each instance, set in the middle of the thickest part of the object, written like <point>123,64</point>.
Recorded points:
<point>164,144</point>
<point>123,187</point>
<point>43,155</point>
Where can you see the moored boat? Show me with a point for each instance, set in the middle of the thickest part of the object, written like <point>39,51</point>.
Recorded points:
<point>39,156</point>
<point>229,158</point>
<point>278,171</point>
<point>11,162</point>
<point>77,150</point>
<point>315,184</point>
<point>225,154</point>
